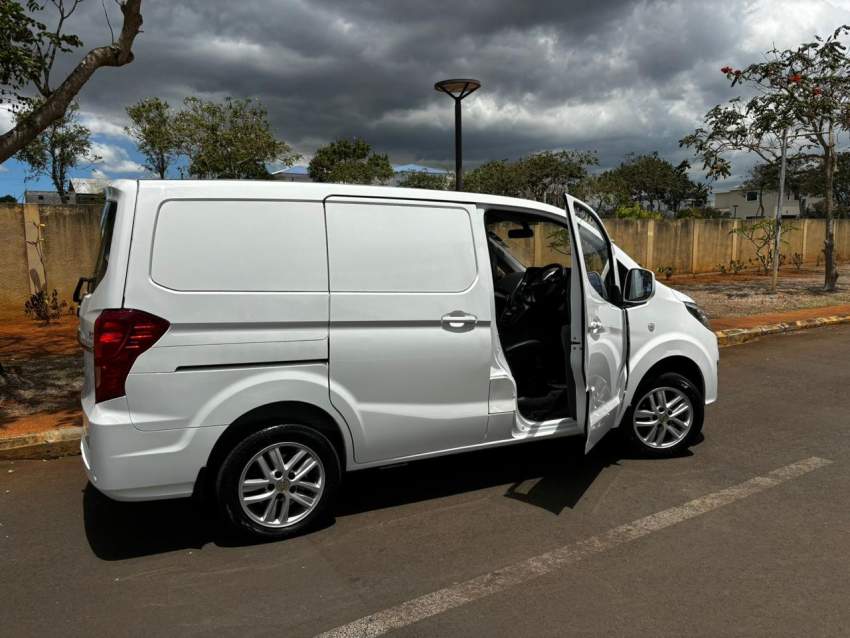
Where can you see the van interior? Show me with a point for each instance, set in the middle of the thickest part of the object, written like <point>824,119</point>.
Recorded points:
<point>530,260</point>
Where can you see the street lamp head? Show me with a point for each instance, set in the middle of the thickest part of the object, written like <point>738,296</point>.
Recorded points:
<point>457,88</point>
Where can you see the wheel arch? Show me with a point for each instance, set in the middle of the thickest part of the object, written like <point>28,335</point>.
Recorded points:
<point>678,363</point>
<point>262,416</point>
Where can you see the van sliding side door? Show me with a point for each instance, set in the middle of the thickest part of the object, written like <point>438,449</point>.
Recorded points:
<point>602,373</point>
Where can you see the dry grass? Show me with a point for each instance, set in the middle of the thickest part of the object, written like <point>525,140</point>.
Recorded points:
<point>747,294</point>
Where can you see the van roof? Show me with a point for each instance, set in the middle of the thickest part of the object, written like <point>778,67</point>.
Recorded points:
<point>261,189</point>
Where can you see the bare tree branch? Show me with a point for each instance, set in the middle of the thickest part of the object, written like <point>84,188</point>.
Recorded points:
<point>115,54</point>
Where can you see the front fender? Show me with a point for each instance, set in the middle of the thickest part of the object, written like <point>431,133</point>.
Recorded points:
<point>678,344</point>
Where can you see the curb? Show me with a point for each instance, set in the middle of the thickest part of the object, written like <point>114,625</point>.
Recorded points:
<point>66,441</point>
<point>49,444</point>
<point>735,336</point>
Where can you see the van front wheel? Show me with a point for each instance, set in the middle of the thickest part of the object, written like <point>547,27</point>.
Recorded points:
<point>278,482</point>
<point>665,417</point>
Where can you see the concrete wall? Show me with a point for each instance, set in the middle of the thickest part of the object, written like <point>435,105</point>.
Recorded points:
<point>14,281</point>
<point>37,240</point>
<point>71,235</point>
<point>70,241</point>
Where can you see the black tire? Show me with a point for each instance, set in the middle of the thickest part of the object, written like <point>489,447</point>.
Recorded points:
<point>675,381</point>
<point>295,437</point>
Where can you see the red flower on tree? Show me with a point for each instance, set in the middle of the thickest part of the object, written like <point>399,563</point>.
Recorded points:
<point>795,79</point>
<point>817,91</point>
<point>726,69</point>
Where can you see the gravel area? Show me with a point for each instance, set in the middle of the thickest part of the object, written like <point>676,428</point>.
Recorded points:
<point>747,294</point>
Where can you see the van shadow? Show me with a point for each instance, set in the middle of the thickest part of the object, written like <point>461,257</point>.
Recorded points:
<point>551,474</point>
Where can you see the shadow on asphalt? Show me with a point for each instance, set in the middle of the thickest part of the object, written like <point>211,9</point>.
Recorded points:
<point>552,475</point>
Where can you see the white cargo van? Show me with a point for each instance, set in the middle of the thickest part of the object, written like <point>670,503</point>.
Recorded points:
<point>257,340</point>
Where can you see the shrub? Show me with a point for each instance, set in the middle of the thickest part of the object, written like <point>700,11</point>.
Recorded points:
<point>634,211</point>
<point>45,307</point>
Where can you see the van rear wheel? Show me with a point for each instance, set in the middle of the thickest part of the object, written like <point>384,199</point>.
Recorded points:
<point>278,482</point>
<point>665,417</point>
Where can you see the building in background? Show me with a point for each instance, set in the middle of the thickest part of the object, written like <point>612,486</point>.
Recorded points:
<point>296,173</point>
<point>81,190</point>
<point>744,203</point>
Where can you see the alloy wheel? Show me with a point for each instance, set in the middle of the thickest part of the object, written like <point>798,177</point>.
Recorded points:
<point>663,417</point>
<point>281,484</point>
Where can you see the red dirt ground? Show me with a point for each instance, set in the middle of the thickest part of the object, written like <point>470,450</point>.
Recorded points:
<point>25,338</point>
<point>752,321</point>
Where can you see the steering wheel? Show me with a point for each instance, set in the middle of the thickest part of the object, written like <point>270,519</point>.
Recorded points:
<point>536,285</point>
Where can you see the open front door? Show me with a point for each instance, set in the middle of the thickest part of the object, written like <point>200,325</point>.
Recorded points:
<point>598,359</point>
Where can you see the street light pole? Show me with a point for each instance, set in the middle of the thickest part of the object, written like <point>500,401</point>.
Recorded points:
<point>458,89</point>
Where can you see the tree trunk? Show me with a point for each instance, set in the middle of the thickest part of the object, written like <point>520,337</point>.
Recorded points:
<point>116,54</point>
<point>830,271</point>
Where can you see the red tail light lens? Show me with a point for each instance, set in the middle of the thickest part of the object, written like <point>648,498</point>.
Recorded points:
<point>120,336</point>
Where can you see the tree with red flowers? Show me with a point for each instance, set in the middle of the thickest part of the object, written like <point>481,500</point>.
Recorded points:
<point>806,91</point>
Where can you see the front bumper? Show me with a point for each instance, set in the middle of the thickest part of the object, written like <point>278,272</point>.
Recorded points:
<point>127,464</point>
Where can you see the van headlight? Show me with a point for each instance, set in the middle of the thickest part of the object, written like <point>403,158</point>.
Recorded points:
<point>697,313</point>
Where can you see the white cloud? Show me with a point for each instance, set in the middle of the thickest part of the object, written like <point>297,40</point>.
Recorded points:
<point>99,125</point>
<point>114,159</point>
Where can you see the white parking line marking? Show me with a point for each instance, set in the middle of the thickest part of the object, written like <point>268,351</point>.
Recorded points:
<point>493,582</point>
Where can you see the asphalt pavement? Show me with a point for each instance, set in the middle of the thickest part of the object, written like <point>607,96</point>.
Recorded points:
<point>748,534</point>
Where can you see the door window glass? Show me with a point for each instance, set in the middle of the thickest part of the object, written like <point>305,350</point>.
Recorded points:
<point>596,253</point>
<point>107,225</point>
<point>533,242</point>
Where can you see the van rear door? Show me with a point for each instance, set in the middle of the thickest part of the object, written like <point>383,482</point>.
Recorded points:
<point>602,370</point>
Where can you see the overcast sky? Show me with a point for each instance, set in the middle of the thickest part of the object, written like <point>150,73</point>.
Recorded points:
<point>614,76</point>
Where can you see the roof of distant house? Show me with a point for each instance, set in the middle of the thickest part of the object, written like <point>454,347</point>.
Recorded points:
<point>89,185</point>
<point>293,170</point>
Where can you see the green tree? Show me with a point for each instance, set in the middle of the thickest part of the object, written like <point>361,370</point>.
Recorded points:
<point>28,52</point>
<point>62,146</point>
<point>8,199</point>
<point>430,181</point>
<point>811,181</point>
<point>153,129</point>
<point>651,182</point>
<point>350,162</point>
<point>496,177</point>
<point>804,91</point>
<point>543,177</point>
<point>546,176</point>
<point>228,140</point>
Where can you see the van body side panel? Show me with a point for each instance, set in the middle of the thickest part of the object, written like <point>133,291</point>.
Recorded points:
<point>405,380</point>
<point>243,284</point>
<point>674,332</point>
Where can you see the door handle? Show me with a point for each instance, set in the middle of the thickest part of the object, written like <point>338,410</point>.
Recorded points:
<point>595,327</point>
<point>458,321</point>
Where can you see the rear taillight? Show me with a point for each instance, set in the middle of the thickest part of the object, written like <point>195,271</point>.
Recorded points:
<point>120,336</point>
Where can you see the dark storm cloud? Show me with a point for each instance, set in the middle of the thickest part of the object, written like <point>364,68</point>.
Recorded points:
<point>616,76</point>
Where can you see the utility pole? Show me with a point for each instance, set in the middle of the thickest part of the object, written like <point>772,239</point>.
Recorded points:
<point>777,237</point>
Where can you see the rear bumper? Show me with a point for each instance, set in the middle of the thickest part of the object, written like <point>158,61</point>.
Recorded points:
<point>127,464</point>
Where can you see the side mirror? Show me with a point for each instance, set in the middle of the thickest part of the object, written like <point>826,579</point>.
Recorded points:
<point>640,286</point>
